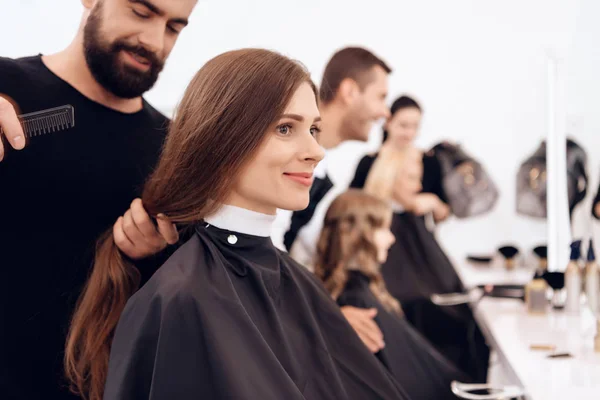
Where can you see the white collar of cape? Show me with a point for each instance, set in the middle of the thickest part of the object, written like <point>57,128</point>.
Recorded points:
<point>242,220</point>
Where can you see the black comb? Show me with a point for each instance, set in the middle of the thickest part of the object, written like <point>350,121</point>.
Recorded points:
<point>50,120</point>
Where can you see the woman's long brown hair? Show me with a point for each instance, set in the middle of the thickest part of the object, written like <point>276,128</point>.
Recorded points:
<point>346,243</point>
<point>223,117</point>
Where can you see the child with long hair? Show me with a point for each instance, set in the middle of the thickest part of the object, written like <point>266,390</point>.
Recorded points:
<point>353,244</point>
<point>228,316</point>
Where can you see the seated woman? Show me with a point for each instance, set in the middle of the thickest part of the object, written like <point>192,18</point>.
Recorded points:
<point>417,267</point>
<point>382,174</point>
<point>228,316</point>
<point>354,242</point>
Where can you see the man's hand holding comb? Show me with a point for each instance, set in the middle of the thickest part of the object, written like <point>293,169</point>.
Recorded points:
<point>10,127</point>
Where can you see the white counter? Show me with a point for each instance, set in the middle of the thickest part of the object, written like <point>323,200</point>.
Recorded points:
<point>510,330</point>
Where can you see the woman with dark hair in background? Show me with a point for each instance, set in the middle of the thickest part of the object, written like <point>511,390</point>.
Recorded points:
<point>417,267</point>
<point>354,242</point>
<point>228,316</point>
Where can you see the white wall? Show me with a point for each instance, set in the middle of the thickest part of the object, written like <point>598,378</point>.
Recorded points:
<point>583,91</point>
<point>477,66</point>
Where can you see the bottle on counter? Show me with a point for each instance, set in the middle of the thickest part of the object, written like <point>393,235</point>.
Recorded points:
<point>535,296</point>
<point>592,280</point>
<point>558,295</point>
<point>542,254</point>
<point>573,279</point>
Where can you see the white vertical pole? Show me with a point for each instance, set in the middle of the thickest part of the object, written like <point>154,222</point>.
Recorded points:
<point>559,227</point>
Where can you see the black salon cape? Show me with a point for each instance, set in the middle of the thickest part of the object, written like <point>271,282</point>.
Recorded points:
<point>239,321</point>
<point>417,267</point>
<point>420,369</point>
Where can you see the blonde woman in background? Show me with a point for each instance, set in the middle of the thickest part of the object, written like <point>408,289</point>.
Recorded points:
<point>417,267</point>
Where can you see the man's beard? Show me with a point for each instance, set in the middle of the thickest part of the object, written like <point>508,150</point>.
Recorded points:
<point>103,61</point>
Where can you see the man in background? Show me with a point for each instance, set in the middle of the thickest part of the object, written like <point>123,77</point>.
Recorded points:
<point>352,98</point>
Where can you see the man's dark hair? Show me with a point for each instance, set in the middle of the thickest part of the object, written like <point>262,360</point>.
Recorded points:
<point>355,63</point>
